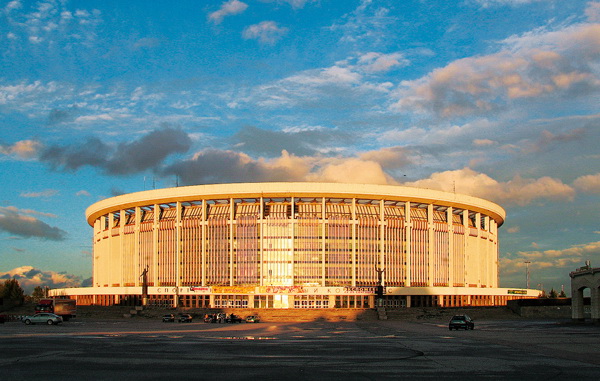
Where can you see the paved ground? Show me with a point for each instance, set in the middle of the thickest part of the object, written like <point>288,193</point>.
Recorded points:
<point>373,350</point>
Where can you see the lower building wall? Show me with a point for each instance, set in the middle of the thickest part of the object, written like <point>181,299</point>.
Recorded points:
<point>288,301</point>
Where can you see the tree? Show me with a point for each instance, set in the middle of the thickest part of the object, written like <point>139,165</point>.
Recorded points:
<point>12,291</point>
<point>553,294</point>
<point>562,294</point>
<point>38,293</point>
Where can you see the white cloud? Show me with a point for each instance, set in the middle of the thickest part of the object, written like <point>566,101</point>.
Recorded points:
<point>231,7</point>
<point>536,64</point>
<point>378,62</point>
<point>518,190</point>
<point>51,23</point>
<point>83,193</point>
<point>12,6</point>
<point>266,32</point>
<point>564,260</point>
<point>588,183</point>
<point>510,3</point>
<point>483,142</point>
<point>30,277</point>
<point>593,11</point>
<point>24,149</point>
<point>45,193</point>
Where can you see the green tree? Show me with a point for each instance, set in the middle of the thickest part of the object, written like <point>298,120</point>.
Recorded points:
<point>553,294</point>
<point>11,290</point>
<point>562,294</point>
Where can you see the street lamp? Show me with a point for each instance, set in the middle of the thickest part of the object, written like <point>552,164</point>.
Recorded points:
<point>527,273</point>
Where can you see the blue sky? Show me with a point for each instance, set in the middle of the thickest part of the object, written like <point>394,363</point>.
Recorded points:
<point>494,98</point>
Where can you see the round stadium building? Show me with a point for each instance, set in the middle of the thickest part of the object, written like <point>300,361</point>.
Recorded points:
<point>295,245</point>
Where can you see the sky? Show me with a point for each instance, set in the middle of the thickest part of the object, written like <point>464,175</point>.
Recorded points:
<point>498,99</point>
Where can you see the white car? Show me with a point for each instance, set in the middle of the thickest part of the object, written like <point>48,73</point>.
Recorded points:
<point>44,318</point>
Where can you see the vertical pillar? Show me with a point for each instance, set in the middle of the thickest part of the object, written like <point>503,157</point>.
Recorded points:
<point>203,229</point>
<point>262,241</point>
<point>431,264</point>
<point>178,254</point>
<point>595,303</point>
<point>353,225</point>
<point>382,241</point>
<point>231,239</point>
<point>122,248</point>
<point>408,232</point>
<point>155,228</point>
<point>577,303</point>
<point>323,241</point>
<point>449,216</point>
<point>136,246</point>
<point>467,256</point>
<point>293,238</point>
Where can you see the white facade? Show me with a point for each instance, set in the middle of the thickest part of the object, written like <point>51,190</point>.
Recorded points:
<point>297,244</point>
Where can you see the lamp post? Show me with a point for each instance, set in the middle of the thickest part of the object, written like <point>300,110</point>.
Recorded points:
<point>527,274</point>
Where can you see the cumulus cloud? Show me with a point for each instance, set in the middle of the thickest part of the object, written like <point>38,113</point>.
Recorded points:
<point>351,171</point>
<point>388,157</point>
<point>536,64</point>
<point>30,277</point>
<point>24,149</point>
<point>218,166</point>
<point>588,183</point>
<point>23,224</point>
<point>147,152</point>
<point>266,32</point>
<point>566,259</point>
<point>231,7</point>
<point>518,190</point>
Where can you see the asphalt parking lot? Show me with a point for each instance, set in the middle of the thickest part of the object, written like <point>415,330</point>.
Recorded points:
<point>368,350</point>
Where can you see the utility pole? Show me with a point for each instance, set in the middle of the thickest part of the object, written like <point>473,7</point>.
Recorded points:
<point>527,273</point>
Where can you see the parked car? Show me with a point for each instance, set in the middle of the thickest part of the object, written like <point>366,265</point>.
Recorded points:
<point>210,318</point>
<point>185,318</point>
<point>461,322</point>
<point>43,318</point>
<point>168,318</point>
<point>252,319</point>
<point>233,319</point>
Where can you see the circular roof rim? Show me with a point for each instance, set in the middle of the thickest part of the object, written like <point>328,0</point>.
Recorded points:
<point>270,189</point>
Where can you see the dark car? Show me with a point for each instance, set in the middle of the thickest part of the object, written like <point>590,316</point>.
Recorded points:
<point>233,319</point>
<point>210,318</point>
<point>461,322</point>
<point>168,318</point>
<point>185,318</point>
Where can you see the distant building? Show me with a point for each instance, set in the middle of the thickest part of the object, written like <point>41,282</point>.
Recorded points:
<point>295,245</point>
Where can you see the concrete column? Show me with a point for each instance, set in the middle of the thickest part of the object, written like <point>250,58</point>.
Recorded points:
<point>178,255</point>
<point>595,304</point>
<point>577,304</point>
<point>353,224</point>
<point>407,231</point>
<point>431,265</point>
<point>449,215</point>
